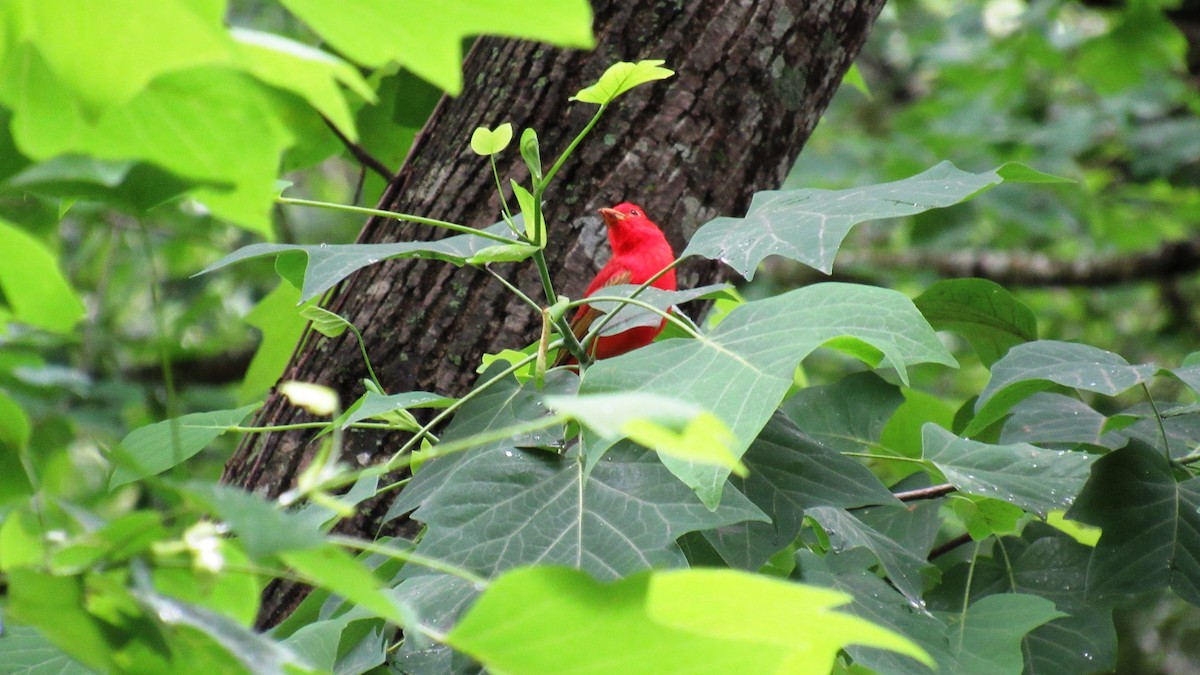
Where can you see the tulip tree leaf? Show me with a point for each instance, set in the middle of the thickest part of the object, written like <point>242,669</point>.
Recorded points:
<point>1150,524</point>
<point>808,225</point>
<point>674,621</point>
<point>1033,478</point>
<point>792,470</point>
<point>329,264</point>
<point>986,639</point>
<point>620,78</point>
<point>742,369</point>
<point>427,38</point>
<point>1035,366</point>
<point>986,315</point>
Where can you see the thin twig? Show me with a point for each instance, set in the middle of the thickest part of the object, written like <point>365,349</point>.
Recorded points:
<point>932,492</point>
<point>360,153</point>
<point>949,546</point>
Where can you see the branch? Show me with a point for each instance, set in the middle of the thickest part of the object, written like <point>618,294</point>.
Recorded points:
<point>1171,259</point>
<point>926,493</point>
<point>360,153</point>
<point>948,546</point>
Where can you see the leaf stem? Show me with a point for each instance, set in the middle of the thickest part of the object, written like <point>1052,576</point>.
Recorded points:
<point>571,148</point>
<point>396,215</point>
<point>395,553</point>
<point>609,316</point>
<point>1162,430</point>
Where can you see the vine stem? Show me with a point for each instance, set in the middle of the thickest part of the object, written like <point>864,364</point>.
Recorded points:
<point>362,210</point>
<point>609,316</point>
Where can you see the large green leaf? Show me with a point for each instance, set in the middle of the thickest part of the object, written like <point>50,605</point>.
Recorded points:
<point>336,570</point>
<point>327,265</point>
<point>792,469</point>
<point>903,567</point>
<point>1056,419</point>
<point>809,225</point>
<point>76,43</point>
<point>500,508</point>
<point>741,370</point>
<point>986,315</point>
<point>152,449</point>
<point>135,187</point>
<point>1150,522</point>
<point>693,621</point>
<point>880,603</point>
<point>30,281</point>
<point>214,126</point>
<point>1035,366</point>
<point>1030,477</point>
<point>1050,564</point>
<point>986,639</point>
<point>55,606</point>
<point>666,425</point>
<point>25,650</point>
<point>307,72</point>
<point>427,38</point>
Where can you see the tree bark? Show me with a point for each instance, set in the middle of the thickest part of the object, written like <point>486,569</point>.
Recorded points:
<point>752,80</point>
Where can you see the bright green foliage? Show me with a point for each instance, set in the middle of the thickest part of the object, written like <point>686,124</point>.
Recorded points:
<point>35,290</point>
<point>487,142</point>
<point>426,38</point>
<point>803,482</point>
<point>662,622</point>
<point>620,78</point>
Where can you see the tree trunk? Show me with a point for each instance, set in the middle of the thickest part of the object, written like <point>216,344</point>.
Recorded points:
<point>752,79</point>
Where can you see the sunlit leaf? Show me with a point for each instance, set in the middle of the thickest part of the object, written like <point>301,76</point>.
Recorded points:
<point>620,78</point>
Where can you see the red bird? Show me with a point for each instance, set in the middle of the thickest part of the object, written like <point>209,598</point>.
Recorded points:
<point>639,252</point>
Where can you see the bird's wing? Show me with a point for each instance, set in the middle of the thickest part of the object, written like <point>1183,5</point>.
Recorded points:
<point>587,314</point>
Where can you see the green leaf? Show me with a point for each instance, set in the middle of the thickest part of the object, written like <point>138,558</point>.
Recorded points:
<point>793,468</point>
<point>742,369</point>
<point>1035,366</point>
<point>55,606</point>
<point>131,186</point>
<point>26,650</point>
<point>502,253</point>
<point>903,567</point>
<point>1050,418</point>
<point>666,425</point>
<point>14,434</point>
<point>279,320</point>
<point>266,528</point>
<point>332,568</point>
<point>662,622</point>
<point>986,315</point>
<point>494,509</point>
<point>620,78</point>
<point>987,638</point>
<point>36,291</point>
<point>531,152</point>
<point>215,127</point>
<point>984,517</point>
<point>427,38</point>
<point>324,321</point>
<point>854,78</point>
<point>1015,172</point>
<point>75,43</point>
<point>257,653</point>
<point>880,603</point>
<point>150,450</point>
<point>808,225</point>
<point>309,73</point>
<point>1030,477</point>
<point>327,265</point>
<point>1150,526</point>
<point>374,405</point>
<point>526,201</point>
<point>487,142</point>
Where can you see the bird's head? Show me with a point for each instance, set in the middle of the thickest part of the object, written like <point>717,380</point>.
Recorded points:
<point>629,228</point>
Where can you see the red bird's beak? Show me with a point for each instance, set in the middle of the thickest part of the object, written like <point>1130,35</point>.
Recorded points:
<point>612,216</point>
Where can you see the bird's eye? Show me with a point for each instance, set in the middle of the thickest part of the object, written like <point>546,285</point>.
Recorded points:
<point>634,212</point>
